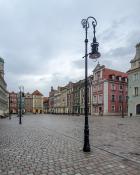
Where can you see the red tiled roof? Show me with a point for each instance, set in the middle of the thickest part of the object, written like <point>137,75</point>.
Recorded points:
<point>115,72</point>
<point>36,92</point>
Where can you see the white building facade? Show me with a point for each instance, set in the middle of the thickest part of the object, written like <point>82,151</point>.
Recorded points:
<point>134,85</point>
<point>3,91</point>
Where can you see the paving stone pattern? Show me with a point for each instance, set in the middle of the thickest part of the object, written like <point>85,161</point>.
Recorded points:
<point>52,145</point>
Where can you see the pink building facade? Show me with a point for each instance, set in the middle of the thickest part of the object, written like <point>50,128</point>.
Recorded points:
<point>13,100</point>
<point>109,92</point>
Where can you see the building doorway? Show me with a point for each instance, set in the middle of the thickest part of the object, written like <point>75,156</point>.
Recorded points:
<point>138,109</point>
<point>100,111</point>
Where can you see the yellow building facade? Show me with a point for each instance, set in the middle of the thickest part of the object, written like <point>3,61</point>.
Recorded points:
<point>37,102</point>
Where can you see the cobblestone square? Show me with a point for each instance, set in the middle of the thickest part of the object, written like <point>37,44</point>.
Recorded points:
<point>52,145</point>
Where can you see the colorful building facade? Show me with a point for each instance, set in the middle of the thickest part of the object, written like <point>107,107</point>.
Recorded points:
<point>28,102</point>
<point>134,85</point>
<point>70,99</point>
<point>13,102</point>
<point>109,92</point>
<point>76,97</point>
<point>45,105</point>
<point>3,91</point>
<point>37,102</point>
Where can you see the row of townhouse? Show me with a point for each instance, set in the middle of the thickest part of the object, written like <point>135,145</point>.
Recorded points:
<point>107,94</point>
<point>31,103</point>
<point>110,92</point>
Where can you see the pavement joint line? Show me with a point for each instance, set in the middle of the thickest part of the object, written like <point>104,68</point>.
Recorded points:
<point>95,146</point>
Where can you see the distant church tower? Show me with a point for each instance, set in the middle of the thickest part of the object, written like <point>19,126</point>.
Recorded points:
<point>2,67</point>
<point>134,85</point>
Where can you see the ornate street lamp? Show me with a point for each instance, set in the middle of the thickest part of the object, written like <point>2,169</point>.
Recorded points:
<point>94,54</point>
<point>122,100</point>
<point>9,107</point>
<point>21,94</point>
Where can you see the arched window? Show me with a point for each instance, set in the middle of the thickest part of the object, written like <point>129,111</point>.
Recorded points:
<point>138,109</point>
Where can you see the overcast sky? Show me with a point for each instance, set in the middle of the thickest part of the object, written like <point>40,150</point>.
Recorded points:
<point>42,41</point>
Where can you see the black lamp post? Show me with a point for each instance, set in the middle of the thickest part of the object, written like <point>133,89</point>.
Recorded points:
<point>9,107</point>
<point>21,94</point>
<point>93,55</point>
<point>122,101</point>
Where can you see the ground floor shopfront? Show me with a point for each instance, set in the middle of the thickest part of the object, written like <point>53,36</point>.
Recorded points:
<point>134,107</point>
<point>37,110</point>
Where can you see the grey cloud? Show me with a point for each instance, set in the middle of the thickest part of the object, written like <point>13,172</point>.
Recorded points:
<point>112,31</point>
<point>125,51</point>
<point>80,64</point>
<point>33,33</point>
<point>57,80</point>
<point>119,52</point>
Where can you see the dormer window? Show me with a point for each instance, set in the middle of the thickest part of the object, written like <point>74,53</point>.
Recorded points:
<point>117,77</point>
<point>123,78</point>
<point>113,77</point>
<point>126,80</point>
<point>120,78</point>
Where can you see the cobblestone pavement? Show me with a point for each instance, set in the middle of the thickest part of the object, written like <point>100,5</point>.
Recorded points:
<point>52,145</point>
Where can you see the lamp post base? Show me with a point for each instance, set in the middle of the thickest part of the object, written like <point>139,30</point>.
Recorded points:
<point>86,147</point>
<point>20,120</point>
